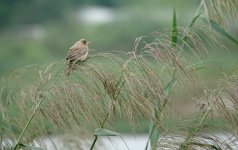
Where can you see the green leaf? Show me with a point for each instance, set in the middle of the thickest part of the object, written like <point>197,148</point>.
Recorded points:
<point>194,19</point>
<point>199,68</point>
<point>20,145</point>
<point>174,30</point>
<point>154,130</point>
<point>153,137</point>
<point>221,30</point>
<point>168,87</point>
<point>104,132</point>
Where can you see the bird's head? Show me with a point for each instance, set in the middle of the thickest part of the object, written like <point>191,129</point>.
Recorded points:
<point>84,42</point>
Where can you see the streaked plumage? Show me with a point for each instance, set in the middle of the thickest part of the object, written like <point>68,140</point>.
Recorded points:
<point>78,52</point>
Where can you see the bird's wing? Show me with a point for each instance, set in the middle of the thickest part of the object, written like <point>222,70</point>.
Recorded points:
<point>76,52</point>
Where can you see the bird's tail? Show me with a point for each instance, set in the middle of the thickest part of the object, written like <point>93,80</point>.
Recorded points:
<point>70,68</point>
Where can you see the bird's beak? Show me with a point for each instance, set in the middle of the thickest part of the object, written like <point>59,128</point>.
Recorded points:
<point>89,42</point>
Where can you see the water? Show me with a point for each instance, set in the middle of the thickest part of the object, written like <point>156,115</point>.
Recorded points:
<point>138,142</point>
<point>132,142</point>
<point>123,142</point>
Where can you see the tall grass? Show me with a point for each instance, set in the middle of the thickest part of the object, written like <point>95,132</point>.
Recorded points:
<point>134,85</point>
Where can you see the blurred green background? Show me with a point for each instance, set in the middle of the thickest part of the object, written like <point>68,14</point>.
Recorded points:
<point>39,32</point>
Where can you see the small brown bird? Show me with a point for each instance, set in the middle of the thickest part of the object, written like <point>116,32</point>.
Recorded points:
<point>78,52</point>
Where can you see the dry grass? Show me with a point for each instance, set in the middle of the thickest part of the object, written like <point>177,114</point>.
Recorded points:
<point>124,85</point>
<point>221,11</point>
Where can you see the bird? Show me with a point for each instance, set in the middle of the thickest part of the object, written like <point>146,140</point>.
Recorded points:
<point>78,52</point>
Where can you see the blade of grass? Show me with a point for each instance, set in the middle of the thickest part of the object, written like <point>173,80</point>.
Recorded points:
<point>153,135</point>
<point>220,30</point>
<point>104,132</point>
<point>191,24</point>
<point>169,86</point>
<point>174,30</point>
<point>152,127</point>
<point>194,19</point>
<point>154,130</point>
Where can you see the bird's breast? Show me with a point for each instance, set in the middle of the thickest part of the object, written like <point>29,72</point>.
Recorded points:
<point>83,57</point>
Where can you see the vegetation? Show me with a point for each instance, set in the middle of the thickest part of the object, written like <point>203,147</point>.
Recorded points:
<point>139,85</point>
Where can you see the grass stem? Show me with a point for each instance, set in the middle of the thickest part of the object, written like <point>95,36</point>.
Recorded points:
<point>28,123</point>
<point>189,138</point>
<point>94,141</point>
<point>96,137</point>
